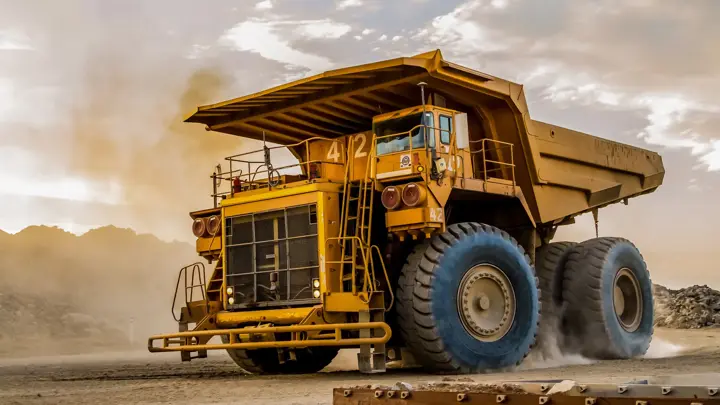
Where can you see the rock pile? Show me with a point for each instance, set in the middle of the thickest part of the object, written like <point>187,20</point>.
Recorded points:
<point>687,308</point>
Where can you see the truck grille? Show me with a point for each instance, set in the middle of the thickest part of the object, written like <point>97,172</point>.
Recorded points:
<point>279,246</point>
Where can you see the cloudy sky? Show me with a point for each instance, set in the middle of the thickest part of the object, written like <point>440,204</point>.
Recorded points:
<point>92,92</point>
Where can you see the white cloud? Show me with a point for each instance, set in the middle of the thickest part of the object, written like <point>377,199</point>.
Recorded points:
<point>14,41</point>
<point>358,37</point>
<point>343,4</point>
<point>262,37</point>
<point>693,186</point>
<point>382,37</point>
<point>322,29</point>
<point>35,183</point>
<point>396,38</point>
<point>458,32</point>
<point>6,98</point>
<point>664,113</point>
<point>367,31</point>
<point>196,51</point>
<point>264,5</point>
<point>499,3</point>
<point>712,158</point>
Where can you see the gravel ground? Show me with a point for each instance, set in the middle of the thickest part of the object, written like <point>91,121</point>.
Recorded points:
<point>141,378</point>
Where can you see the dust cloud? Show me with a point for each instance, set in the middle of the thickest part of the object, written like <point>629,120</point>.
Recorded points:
<point>660,349</point>
<point>163,175</point>
<point>106,290</point>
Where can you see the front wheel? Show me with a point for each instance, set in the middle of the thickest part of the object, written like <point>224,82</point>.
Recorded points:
<point>468,300</point>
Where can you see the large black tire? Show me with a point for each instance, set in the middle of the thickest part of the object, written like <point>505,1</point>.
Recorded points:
<point>404,301</point>
<point>550,263</point>
<point>265,361</point>
<point>593,270</point>
<point>428,309</point>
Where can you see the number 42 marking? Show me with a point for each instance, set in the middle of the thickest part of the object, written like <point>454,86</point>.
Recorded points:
<point>436,214</point>
<point>360,140</point>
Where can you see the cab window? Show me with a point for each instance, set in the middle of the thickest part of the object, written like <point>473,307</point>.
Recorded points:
<point>404,128</point>
<point>445,129</point>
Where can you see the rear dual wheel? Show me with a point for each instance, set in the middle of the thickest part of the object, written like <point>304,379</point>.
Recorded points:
<point>550,262</point>
<point>468,300</point>
<point>608,294</point>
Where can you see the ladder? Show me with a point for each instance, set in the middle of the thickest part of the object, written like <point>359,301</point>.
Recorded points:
<point>356,230</point>
<point>356,248</point>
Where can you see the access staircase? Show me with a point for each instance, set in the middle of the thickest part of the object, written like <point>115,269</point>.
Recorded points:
<point>355,240</point>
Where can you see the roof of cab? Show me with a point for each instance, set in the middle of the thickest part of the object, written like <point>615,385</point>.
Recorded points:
<point>344,101</point>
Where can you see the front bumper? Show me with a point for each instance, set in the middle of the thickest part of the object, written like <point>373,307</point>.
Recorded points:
<point>263,337</point>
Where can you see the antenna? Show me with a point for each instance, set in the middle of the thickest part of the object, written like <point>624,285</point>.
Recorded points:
<point>433,156</point>
<point>422,93</point>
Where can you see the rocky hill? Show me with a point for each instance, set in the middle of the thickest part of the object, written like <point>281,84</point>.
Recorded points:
<point>110,288</point>
<point>107,289</point>
<point>687,308</point>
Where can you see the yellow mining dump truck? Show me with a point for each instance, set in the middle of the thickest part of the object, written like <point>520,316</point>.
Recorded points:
<point>413,213</point>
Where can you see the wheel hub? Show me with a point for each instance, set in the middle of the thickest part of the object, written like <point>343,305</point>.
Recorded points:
<point>486,303</point>
<point>627,300</point>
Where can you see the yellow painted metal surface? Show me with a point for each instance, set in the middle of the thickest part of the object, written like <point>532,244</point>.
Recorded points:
<point>264,196</point>
<point>276,316</point>
<point>208,244</point>
<point>349,302</point>
<point>187,341</point>
<point>329,219</point>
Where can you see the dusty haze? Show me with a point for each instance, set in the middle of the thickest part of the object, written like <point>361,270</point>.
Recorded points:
<point>108,289</point>
<point>98,90</point>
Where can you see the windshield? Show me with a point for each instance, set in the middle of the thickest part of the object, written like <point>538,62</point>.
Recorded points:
<point>402,126</point>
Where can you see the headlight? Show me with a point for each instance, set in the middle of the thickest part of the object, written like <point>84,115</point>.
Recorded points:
<point>316,293</point>
<point>199,228</point>
<point>213,225</point>
<point>413,194</point>
<point>390,197</point>
<point>229,291</point>
<point>231,300</point>
<point>316,283</point>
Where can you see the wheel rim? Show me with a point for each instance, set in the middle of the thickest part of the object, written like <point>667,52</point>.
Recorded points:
<point>486,303</point>
<point>627,300</point>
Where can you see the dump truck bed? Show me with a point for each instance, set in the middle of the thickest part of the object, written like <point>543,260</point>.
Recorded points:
<point>561,172</point>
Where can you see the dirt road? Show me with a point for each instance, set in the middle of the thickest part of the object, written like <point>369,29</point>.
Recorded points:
<point>140,378</point>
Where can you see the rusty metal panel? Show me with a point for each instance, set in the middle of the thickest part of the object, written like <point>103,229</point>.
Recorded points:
<point>563,393</point>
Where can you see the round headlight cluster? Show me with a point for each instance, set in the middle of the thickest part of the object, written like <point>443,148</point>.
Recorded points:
<point>207,226</point>
<point>391,198</point>
<point>411,195</point>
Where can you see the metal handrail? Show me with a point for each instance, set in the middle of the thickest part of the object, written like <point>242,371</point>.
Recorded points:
<point>484,149</point>
<point>199,269</point>
<point>249,176</point>
<point>387,277</point>
<point>190,341</point>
